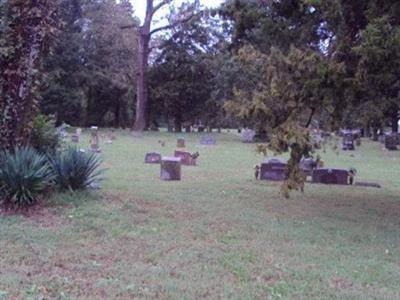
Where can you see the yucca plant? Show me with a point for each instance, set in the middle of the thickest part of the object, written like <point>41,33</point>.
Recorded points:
<point>24,176</point>
<point>75,170</point>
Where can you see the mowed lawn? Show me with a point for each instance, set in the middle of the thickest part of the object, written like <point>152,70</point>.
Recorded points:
<point>217,234</point>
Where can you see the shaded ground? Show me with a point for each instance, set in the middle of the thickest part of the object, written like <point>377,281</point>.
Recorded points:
<point>218,234</point>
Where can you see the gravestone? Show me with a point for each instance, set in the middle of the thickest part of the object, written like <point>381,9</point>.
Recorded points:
<point>248,136</point>
<point>187,158</point>
<point>308,165</point>
<point>152,158</point>
<point>391,141</point>
<point>170,168</point>
<point>348,141</point>
<point>180,143</point>
<point>78,131</point>
<point>208,140</point>
<point>94,139</point>
<point>331,176</point>
<point>273,170</point>
<point>112,135</point>
<point>74,138</point>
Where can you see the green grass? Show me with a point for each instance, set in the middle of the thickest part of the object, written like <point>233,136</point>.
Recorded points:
<point>217,234</point>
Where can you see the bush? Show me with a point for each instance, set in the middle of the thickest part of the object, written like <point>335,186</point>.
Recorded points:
<point>24,176</point>
<point>75,170</point>
<point>45,137</point>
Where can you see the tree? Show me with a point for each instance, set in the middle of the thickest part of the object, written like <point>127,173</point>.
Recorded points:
<point>91,70</point>
<point>145,33</point>
<point>280,95</point>
<point>29,28</point>
<point>182,75</point>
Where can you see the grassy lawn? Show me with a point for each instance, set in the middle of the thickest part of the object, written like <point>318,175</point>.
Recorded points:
<point>217,234</point>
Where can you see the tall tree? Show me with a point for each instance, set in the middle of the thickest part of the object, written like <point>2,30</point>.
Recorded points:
<point>181,78</point>
<point>29,28</point>
<point>145,33</point>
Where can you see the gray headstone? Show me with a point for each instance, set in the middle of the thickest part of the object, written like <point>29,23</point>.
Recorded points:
<point>170,168</point>
<point>331,176</point>
<point>208,140</point>
<point>274,170</point>
<point>152,158</point>
<point>248,136</point>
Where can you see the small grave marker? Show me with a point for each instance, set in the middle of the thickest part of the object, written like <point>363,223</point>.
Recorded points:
<point>273,170</point>
<point>94,139</point>
<point>208,140</point>
<point>74,138</point>
<point>187,158</point>
<point>348,141</point>
<point>308,165</point>
<point>170,168</point>
<point>180,143</point>
<point>248,136</point>
<point>391,141</point>
<point>152,158</point>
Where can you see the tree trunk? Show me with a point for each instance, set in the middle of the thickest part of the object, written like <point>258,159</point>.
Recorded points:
<point>395,120</point>
<point>142,80</point>
<point>178,121</point>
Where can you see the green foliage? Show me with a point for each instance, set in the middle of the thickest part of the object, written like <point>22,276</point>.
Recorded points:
<point>24,176</point>
<point>182,76</point>
<point>75,170</point>
<point>44,136</point>
<point>280,94</point>
<point>91,72</point>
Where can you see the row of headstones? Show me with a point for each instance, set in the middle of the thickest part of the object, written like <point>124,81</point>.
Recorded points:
<point>171,166</point>
<point>94,137</point>
<point>276,170</point>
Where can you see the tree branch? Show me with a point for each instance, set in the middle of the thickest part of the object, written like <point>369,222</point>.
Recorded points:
<point>170,26</point>
<point>160,5</point>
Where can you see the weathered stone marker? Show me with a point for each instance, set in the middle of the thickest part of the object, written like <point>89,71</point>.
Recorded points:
<point>74,138</point>
<point>112,135</point>
<point>331,176</point>
<point>391,141</point>
<point>170,168</point>
<point>273,170</point>
<point>152,158</point>
<point>180,143</point>
<point>248,136</point>
<point>94,139</point>
<point>348,141</point>
<point>208,140</point>
<point>308,165</point>
<point>186,158</point>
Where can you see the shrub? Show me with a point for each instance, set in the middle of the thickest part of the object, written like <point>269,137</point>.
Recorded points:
<point>45,137</point>
<point>75,170</point>
<point>24,175</point>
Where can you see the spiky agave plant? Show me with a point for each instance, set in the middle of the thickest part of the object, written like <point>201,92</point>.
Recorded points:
<point>24,175</point>
<point>75,170</point>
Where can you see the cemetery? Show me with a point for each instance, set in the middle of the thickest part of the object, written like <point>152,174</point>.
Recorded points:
<point>199,149</point>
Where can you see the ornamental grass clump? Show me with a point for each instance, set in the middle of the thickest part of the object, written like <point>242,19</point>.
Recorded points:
<point>25,175</point>
<point>75,170</point>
